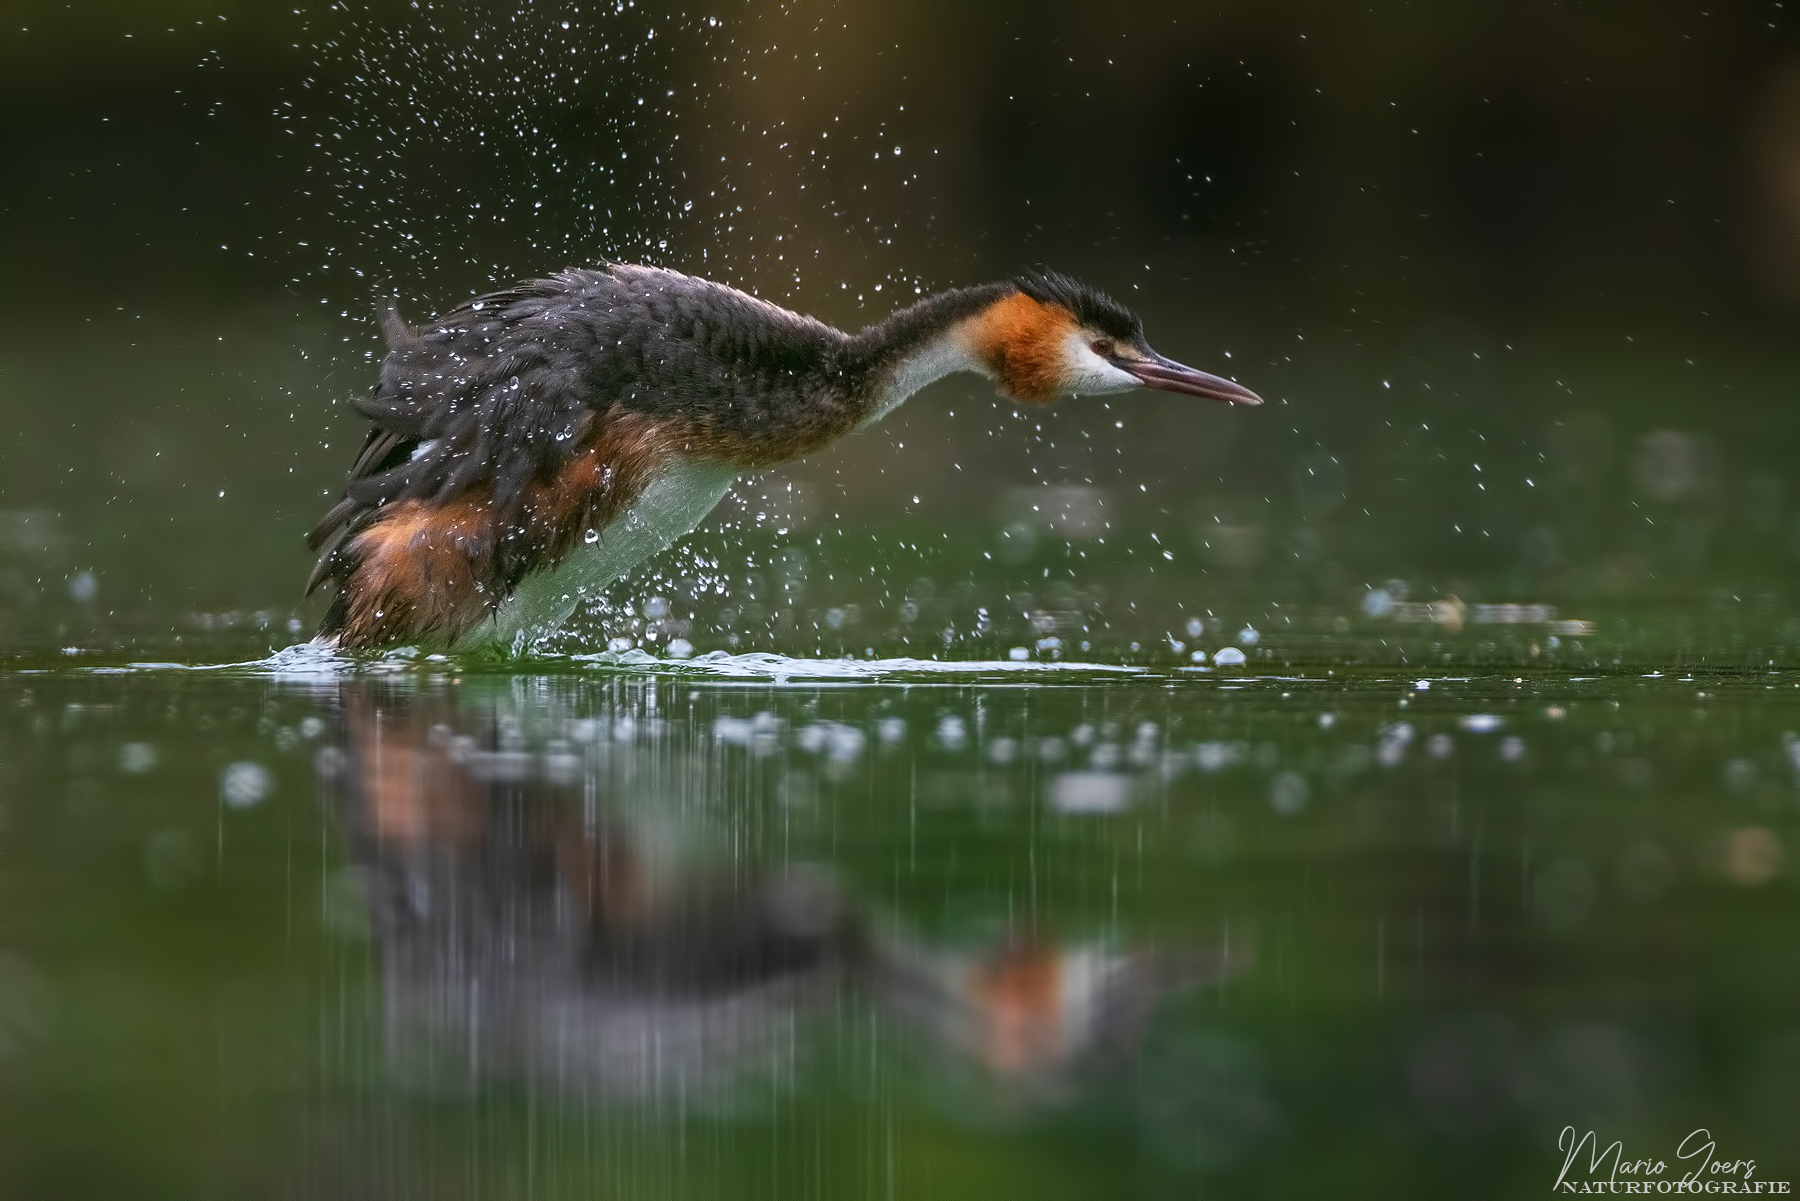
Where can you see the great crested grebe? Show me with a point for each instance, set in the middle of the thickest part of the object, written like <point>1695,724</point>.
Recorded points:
<point>535,444</point>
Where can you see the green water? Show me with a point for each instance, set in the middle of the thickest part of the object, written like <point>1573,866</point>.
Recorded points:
<point>1002,883</point>
<point>434,930</point>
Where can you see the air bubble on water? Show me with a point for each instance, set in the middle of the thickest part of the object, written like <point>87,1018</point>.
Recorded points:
<point>1089,792</point>
<point>1248,636</point>
<point>245,783</point>
<point>136,758</point>
<point>1740,774</point>
<point>1480,723</point>
<point>1212,756</point>
<point>1229,656</point>
<point>1288,793</point>
<point>952,734</point>
<point>844,743</point>
<point>1391,747</point>
<point>329,762</point>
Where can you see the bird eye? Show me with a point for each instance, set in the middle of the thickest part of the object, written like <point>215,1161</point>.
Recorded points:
<point>1103,347</point>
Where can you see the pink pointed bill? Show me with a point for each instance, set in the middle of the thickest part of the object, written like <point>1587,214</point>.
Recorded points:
<point>1166,375</point>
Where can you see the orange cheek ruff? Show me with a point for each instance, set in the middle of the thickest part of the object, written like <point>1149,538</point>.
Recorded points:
<point>1023,341</point>
<point>1021,1000</point>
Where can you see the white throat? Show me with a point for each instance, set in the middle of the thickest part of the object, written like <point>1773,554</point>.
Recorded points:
<point>944,355</point>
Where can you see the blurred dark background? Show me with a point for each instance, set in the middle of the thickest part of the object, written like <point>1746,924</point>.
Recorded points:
<point>1520,278</point>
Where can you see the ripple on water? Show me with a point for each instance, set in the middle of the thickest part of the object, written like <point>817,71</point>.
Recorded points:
<point>766,666</point>
<point>312,662</point>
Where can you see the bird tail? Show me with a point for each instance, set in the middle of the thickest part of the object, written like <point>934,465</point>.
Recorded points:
<point>399,335</point>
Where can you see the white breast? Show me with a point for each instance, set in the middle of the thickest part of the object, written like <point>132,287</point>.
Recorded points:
<point>673,505</point>
<point>930,363</point>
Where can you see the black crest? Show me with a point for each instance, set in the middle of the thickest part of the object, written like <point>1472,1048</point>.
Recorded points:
<point>1091,307</point>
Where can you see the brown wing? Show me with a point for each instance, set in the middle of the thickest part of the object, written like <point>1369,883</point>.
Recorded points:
<point>496,438</point>
<point>480,401</point>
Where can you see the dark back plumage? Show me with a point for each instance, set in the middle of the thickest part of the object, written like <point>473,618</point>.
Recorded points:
<point>504,386</point>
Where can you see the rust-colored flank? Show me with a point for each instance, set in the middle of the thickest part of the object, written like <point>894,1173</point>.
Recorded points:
<point>418,568</point>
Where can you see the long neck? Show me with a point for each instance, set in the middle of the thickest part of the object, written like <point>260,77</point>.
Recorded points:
<point>887,362</point>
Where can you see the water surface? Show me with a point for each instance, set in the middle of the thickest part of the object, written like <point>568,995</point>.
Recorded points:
<point>724,930</point>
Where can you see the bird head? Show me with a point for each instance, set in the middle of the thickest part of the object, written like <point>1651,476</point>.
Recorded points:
<point>1055,337</point>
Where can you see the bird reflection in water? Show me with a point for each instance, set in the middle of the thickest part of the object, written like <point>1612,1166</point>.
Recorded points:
<point>537,918</point>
